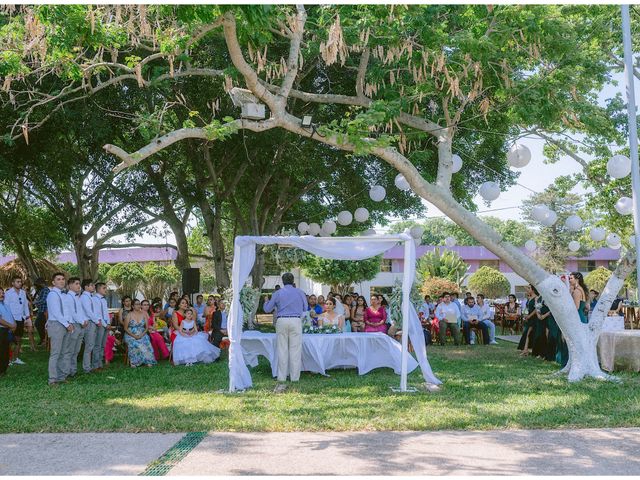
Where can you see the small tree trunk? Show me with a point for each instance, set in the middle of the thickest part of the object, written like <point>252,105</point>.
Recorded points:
<point>213,224</point>
<point>23,252</point>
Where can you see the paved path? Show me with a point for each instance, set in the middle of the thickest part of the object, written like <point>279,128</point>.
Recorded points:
<point>497,452</point>
<point>82,453</point>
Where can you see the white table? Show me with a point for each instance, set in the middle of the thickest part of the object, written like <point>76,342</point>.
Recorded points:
<point>619,350</point>
<point>613,324</point>
<point>321,352</point>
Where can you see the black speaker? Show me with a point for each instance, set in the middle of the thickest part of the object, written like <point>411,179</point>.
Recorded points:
<point>191,280</point>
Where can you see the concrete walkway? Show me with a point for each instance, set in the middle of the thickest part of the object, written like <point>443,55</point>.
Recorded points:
<point>497,452</point>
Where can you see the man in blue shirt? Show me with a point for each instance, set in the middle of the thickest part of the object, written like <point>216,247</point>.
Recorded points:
<point>291,303</point>
<point>472,318</point>
<point>7,324</point>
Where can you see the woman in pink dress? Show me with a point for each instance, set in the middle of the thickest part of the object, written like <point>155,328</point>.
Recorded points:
<point>375,316</point>
<point>160,350</point>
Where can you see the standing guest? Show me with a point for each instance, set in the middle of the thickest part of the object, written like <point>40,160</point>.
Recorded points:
<point>41,305</point>
<point>79,322</point>
<point>331,316</point>
<point>160,350</point>
<point>357,314</point>
<point>424,315</point>
<point>472,317</point>
<point>199,308</point>
<point>347,312</point>
<point>216,335</point>
<point>291,303</point>
<point>101,309</point>
<point>172,296</point>
<point>59,327</point>
<point>448,315</point>
<point>7,324</point>
<point>224,317</point>
<point>487,319</point>
<point>513,312</point>
<point>530,322</point>
<point>178,317</point>
<point>550,351</point>
<point>91,312</point>
<point>274,314</point>
<point>16,301</point>
<point>136,326</point>
<point>593,299</point>
<point>579,293</point>
<point>375,316</point>
<point>209,311</point>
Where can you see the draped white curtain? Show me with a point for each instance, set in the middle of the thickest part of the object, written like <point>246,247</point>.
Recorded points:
<point>337,248</point>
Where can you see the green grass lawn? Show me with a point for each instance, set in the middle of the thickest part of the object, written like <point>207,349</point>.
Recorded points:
<point>484,388</point>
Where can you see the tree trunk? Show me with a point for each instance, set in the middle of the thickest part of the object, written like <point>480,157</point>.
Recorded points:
<point>182,259</point>
<point>213,224</point>
<point>257,274</point>
<point>23,253</point>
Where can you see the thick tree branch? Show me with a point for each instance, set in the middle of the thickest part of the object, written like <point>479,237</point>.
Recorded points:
<point>294,53</point>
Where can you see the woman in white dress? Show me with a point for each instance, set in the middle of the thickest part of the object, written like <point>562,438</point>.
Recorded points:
<point>331,317</point>
<point>191,346</point>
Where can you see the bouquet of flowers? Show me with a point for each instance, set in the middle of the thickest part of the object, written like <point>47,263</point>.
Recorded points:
<point>326,329</point>
<point>160,324</point>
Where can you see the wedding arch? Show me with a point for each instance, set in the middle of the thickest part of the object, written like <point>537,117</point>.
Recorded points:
<point>337,248</point>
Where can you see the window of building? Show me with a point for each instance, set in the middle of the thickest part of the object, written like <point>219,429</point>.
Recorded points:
<point>385,265</point>
<point>586,265</point>
<point>490,263</point>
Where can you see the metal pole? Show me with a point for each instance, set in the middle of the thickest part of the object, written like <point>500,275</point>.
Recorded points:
<point>633,127</point>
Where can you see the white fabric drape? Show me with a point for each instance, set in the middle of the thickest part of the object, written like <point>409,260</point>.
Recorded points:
<point>336,248</point>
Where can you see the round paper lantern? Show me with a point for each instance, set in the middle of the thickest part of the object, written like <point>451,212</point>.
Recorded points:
<point>449,241</point>
<point>530,245</point>
<point>416,232</point>
<point>597,234</point>
<point>314,229</point>
<point>624,206</point>
<point>303,227</point>
<point>401,182</point>
<point>539,211</point>
<point>489,191</point>
<point>613,240</point>
<point>361,214</point>
<point>345,218</point>
<point>369,232</point>
<point>574,246</point>
<point>550,218</point>
<point>329,227</point>
<point>619,166</point>
<point>377,193</point>
<point>519,156</point>
<point>457,163</point>
<point>573,223</point>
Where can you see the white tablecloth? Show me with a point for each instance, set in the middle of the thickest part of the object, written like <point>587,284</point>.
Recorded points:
<point>619,350</point>
<point>613,324</point>
<point>320,352</point>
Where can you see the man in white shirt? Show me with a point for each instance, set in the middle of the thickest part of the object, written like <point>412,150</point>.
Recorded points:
<point>100,305</point>
<point>92,313</point>
<point>15,299</point>
<point>59,326</point>
<point>7,324</point>
<point>448,315</point>
<point>77,319</point>
<point>487,319</point>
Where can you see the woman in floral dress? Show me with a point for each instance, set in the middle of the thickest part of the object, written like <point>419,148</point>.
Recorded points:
<point>139,346</point>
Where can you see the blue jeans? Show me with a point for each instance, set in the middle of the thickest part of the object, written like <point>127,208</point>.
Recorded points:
<point>466,327</point>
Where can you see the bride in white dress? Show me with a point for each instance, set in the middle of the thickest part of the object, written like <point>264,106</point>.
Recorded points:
<point>331,317</point>
<point>191,346</point>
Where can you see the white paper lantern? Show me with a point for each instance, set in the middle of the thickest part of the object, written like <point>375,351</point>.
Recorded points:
<point>597,234</point>
<point>574,246</point>
<point>449,241</point>
<point>530,245</point>
<point>550,218</point>
<point>573,223</point>
<point>489,191</point>
<point>345,218</point>
<point>377,193</point>
<point>624,206</point>
<point>329,227</point>
<point>401,182</point>
<point>416,232</point>
<point>619,166</point>
<point>613,240</point>
<point>369,232</point>
<point>519,156</point>
<point>314,229</point>
<point>539,211</point>
<point>361,214</point>
<point>457,163</point>
<point>303,227</point>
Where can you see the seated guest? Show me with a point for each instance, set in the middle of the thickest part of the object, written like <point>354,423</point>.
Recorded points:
<point>314,309</point>
<point>471,318</point>
<point>160,350</point>
<point>136,327</point>
<point>167,312</point>
<point>375,316</point>
<point>173,295</point>
<point>200,306</point>
<point>616,307</point>
<point>331,316</point>
<point>347,302</point>
<point>191,346</point>
<point>448,315</point>
<point>357,314</point>
<point>425,322</point>
<point>224,316</point>
<point>487,319</point>
<point>513,312</point>
<point>593,297</point>
<point>321,301</point>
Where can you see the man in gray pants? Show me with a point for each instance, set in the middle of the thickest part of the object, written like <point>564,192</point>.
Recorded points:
<point>100,305</point>
<point>59,327</point>
<point>78,320</point>
<point>91,313</point>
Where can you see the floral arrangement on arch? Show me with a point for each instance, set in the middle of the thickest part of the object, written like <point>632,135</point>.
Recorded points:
<point>395,302</point>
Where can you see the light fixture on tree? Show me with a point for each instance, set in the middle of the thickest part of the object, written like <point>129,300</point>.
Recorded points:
<point>519,156</point>
<point>489,191</point>
<point>307,121</point>
<point>450,241</point>
<point>361,214</point>
<point>574,245</point>
<point>530,245</point>
<point>597,234</point>
<point>539,211</point>
<point>401,183</point>
<point>550,218</point>
<point>613,240</point>
<point>573,223</point>
<point>329,227</point>
<point>250,106</point>
<point>314,229</point>
<point>416,232</point>
<point>303,228</point>
<point>345,218</point>
<point>619,166</point>
<point>377,193</point>
<point>624,206</point>
<point>457,163</point>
